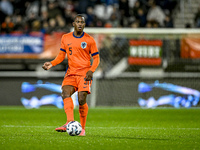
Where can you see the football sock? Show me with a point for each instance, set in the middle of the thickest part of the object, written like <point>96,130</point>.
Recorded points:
<point>69,108</point>
<point>83,111</point>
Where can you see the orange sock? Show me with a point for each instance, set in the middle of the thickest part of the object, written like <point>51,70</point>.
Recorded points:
<point>69,108</point>
<point>83,111</point>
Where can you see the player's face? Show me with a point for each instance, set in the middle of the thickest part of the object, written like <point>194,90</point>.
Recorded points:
<point>79,24</point>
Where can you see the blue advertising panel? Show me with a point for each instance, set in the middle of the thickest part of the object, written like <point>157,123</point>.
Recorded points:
<point>19,44</point>
<point>180,97</point>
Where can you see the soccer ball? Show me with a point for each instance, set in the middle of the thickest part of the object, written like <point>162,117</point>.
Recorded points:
<point>74,128</point>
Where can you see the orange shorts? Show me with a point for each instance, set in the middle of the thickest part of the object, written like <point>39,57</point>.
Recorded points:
<point>78,82</point>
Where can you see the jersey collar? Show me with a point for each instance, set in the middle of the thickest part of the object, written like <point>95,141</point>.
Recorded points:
<point>78,36</point>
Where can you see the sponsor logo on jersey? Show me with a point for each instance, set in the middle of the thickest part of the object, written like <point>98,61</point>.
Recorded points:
<point>69,44</point>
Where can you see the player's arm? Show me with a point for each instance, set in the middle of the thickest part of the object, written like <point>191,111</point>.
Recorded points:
<point>96,60</point>
<point>59,58</point>
<point>95,64</point>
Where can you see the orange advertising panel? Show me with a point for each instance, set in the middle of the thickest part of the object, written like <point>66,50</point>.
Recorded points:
<point>51,45</point>
<point>190,48</point>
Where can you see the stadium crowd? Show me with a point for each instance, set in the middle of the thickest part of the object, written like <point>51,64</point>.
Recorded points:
<point>57,15</point>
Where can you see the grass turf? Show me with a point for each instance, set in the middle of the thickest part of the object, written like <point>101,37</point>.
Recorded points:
<point>107,129</point>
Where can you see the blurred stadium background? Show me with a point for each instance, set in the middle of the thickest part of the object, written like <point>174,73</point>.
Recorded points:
<point>138,40</point>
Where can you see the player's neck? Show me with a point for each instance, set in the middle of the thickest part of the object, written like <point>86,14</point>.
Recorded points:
<point>78,34</point>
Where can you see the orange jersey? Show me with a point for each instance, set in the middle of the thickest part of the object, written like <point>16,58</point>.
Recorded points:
<point>79,51</point>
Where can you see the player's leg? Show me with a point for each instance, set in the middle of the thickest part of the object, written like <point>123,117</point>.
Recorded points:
<point>83,90</point>
<point>83,110</point>
<point>67,91</point>
<point>69,86</point>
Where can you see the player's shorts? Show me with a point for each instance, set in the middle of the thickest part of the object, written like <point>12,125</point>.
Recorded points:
<point>78,82</point>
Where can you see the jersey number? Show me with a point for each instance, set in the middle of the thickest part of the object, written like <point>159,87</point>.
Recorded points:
<point>70,50</point>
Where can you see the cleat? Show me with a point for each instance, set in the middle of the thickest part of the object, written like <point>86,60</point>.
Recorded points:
<point>82,133</point>
<point>62,128</point>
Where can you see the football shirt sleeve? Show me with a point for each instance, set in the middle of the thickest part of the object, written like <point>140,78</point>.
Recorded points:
<point>95,64</point>
<point>95,55</point>
<point>93,47</point>
<point>59,58</point>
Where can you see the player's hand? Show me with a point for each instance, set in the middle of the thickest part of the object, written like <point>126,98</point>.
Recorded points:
<point>47,65</point>
<point>89,75</point>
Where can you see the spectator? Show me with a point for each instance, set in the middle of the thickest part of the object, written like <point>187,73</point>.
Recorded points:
<point>155,24</point>
<point>135,24</point>
<point>70,5</point>
<point>109,9</point>
<point>132,3</point>
<point>148,25</point>
<point>155,13</point>
<point>116,12</point>
<point>141,16</point>
<point>197,18</point>
<point>137,6</point>
<point>89,17</point>
<point>53,9</point>
<point>68,16</point>
<point>29,21</point>
<point>36,26</point>
<point>124,8</point>
<point>168,22</point>
<point>32,8</point>
<point>99,13</point>
<point>20,7</point>
<point>6,7</point>
<point>61,27</point>
<point>45,27</point>
<point>7,26</point>
<point>103,11</point>
<point>114,18</point>
<point>99,10</point>
<point>114,21</point>
<point>43,5</point>
<point>44,16</point>
<point>82,6</point>
<point>19,26</point>
<point>52,26</point>
<point>124,11</point>
<point>98,22</point>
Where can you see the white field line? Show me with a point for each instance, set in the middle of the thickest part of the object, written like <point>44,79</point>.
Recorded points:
<point>139,128</point>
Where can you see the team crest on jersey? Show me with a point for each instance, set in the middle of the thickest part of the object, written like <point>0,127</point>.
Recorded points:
<point>83,45</point>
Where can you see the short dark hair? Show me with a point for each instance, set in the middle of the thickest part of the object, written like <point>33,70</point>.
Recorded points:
<point>79,15</point>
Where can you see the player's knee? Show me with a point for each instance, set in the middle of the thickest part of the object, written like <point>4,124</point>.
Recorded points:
<point>82,98</point>
<point>65,95</point>
<point>82,101</point>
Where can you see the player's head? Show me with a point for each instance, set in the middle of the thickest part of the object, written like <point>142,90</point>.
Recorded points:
<point>79,23</point>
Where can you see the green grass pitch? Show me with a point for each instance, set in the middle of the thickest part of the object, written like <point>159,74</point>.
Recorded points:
<point>108,128</point>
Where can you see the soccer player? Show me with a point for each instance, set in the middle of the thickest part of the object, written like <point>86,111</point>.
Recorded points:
<point>79,47</point>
